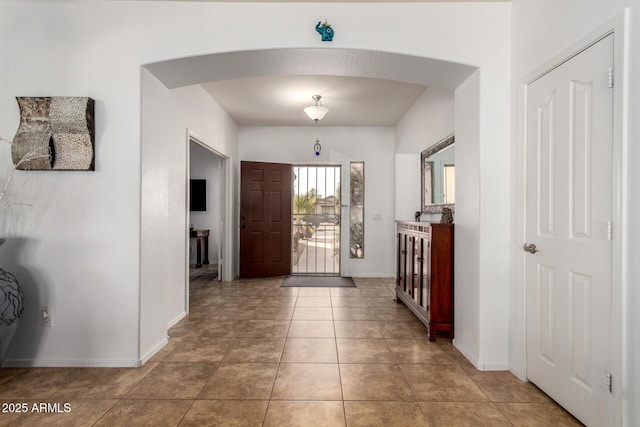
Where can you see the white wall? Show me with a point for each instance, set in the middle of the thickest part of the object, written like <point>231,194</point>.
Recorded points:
<point>97,49</point>
<point>167,115</point>
<point>541,31</point>
<point>407,187</point>
<point>77,248</point>
<point>156,253</point>
<point>340,146</point>
<point>631,293</point>
<point>481,334</point>
<point>430,119</point>
<point>468,292</point>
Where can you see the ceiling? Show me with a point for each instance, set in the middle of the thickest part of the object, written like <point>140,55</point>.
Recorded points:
<point>280,100</point>
<point>273,86</point>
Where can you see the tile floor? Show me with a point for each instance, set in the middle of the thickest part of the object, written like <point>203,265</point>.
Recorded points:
<point>251,353</point>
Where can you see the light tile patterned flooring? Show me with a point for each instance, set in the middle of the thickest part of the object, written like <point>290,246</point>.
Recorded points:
<point>252,353</point>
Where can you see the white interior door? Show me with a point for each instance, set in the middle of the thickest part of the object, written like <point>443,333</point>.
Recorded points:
<point>569,182</point>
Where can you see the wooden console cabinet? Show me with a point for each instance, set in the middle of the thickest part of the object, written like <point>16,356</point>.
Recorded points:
<point>424,279</point>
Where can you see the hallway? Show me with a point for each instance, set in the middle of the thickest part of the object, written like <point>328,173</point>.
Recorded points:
<point>253,353</point>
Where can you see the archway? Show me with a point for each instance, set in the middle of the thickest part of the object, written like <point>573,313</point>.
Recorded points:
<point>186,72</point>
<point>180,72</point>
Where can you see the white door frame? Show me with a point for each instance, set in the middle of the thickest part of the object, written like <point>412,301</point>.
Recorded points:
<point>224,251</point>
<point>518,334</point>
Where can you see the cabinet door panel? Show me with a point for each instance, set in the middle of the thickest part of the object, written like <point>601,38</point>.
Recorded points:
<point>441,274</point>
<point>426,274</point>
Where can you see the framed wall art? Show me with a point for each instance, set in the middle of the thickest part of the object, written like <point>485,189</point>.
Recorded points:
<point>55,133</point>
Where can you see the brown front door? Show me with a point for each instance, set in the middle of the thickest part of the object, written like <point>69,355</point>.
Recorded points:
<point>265,219</point>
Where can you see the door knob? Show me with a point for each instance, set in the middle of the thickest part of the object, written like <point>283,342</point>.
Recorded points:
<point>530,247</point>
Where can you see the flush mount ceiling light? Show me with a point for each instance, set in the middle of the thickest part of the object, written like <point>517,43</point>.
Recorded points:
<point>317,110</point>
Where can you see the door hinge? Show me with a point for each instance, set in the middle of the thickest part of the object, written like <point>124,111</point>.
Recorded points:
<point>609,383</point>
<point>609,230</point>
<point>610,82</point>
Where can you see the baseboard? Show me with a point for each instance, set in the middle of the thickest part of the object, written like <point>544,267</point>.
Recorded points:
<point>472,359</point>
<point>152,352</point>
<point>160,345</point>
<point>178,318</point>
<point>478,364</point>
<point>496,366</point>
<point>84,363</point>
<point>71,363</point>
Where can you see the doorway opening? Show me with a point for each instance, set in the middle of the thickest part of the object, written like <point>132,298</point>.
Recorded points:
<point>205,215</point>
<point>316,220</point>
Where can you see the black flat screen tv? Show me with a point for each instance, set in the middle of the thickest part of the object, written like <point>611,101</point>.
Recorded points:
<point>198,195</point>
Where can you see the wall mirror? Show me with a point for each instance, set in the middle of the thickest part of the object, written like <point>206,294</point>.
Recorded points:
<point>438,178</point>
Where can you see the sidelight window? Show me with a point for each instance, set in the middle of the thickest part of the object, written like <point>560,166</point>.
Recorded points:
<point>356,224</point>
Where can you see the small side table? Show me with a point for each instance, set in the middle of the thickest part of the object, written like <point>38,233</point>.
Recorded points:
<point>199,235</point>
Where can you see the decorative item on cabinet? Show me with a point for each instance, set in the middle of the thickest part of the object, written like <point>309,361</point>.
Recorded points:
<point>424,277</point>
<point>447,216</point>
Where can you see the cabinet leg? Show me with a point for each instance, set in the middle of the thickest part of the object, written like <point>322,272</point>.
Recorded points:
<point>206,250</point>
<point>198,253</point>
<point>433,331</point>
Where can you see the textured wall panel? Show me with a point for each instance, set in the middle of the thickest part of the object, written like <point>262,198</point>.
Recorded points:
<point>55,133</point>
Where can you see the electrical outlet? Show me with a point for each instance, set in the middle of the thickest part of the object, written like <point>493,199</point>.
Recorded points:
<point>45,316</point>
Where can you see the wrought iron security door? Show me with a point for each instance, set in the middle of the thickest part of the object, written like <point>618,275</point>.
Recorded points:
<point>316,220</point>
